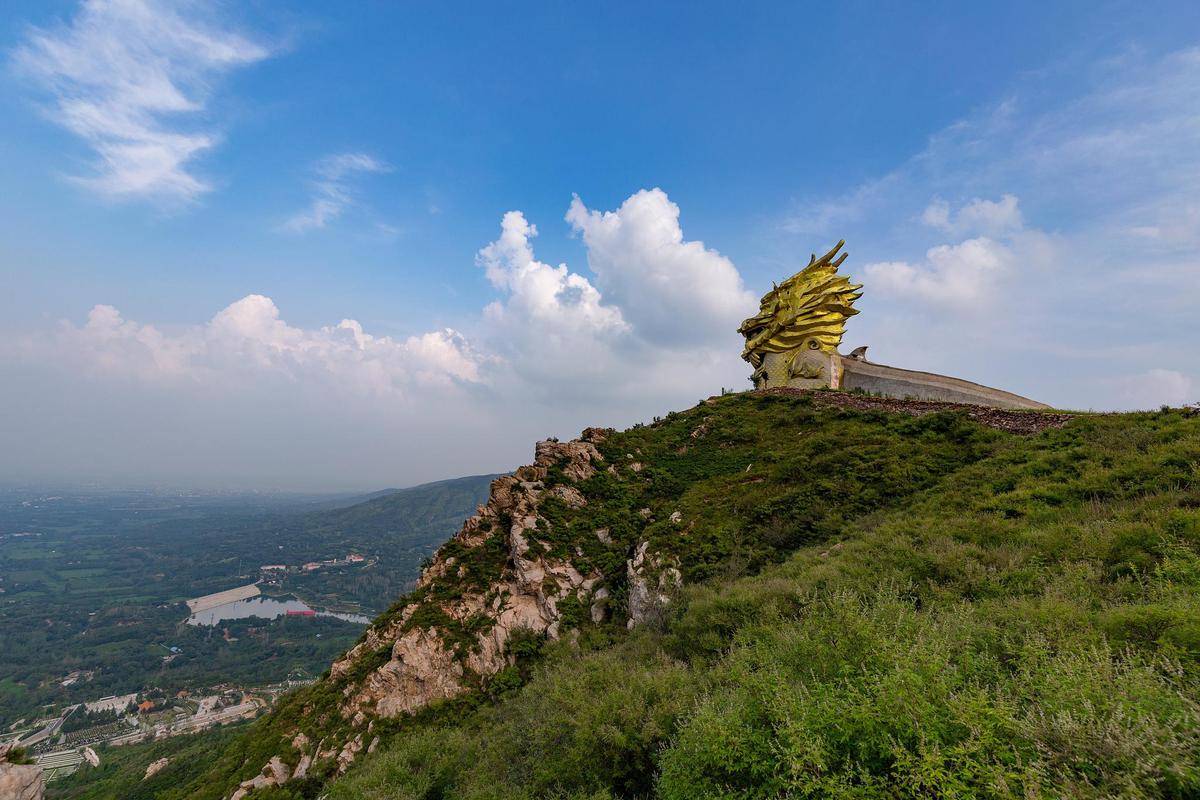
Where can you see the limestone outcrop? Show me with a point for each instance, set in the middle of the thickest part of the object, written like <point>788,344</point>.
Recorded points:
<point>274,773</point>
<point>19,781</point>
<point>423,666</point>
<point>499,575</point>
<point>652,578</point>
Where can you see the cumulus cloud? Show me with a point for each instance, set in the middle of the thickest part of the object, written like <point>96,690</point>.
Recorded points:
<point>969,274</point>
<point>952,275</point>
<point>248,338</point>
<point>656,317</point>
<point>333,190</point>
<point>551,353</point>
<point>556,300</point>
<point>128,76</point>
<point>673,292</point>
<point>549,329</point>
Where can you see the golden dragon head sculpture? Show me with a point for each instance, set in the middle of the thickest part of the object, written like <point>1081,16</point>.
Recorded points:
<point>807,311</point>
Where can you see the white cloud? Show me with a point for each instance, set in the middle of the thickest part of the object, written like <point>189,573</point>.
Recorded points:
<point>127,76</point>
<point>333,192</point>
<point>937,214</point>
<point>673,292</point>
<point>988,217</point>
<point>109,343</point>
<point>248,338</point>
<point>954,275</point>
<point>552,298</point>
<point>550,325</point>
<point>550,354</point>
<point>969,274</point>
<point>549,330</point>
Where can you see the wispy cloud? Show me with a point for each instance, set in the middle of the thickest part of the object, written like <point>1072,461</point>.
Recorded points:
<point>821,215</point>
<point>132,79</point>
<point>333,190</point>
<point>1102,246</point>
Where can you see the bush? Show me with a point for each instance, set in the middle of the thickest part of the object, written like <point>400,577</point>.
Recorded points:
<point>593,725</point>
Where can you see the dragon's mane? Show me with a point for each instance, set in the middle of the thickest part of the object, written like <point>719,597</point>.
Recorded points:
<point>812,305</point>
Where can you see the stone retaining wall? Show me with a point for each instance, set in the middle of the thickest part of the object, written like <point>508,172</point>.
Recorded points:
<point>906,383</point>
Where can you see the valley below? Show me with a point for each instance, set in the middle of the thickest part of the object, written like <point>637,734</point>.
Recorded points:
<point>130,617</point>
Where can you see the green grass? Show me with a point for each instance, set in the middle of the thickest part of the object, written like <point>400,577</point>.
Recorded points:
<point>875,606</point>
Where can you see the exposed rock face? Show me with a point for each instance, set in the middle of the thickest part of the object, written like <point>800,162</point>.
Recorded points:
<point>423,666</point>
<point>21,782</point>
<point>274,773</point>
<point>155,767</point>
<point>652,578</point>
<point>500,574</point>
<point>351,749</point>
<point>423,660</point>
<point>599,609</point>
<point>420,670</point>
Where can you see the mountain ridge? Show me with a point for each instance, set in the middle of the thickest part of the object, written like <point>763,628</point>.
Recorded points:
<point>910,556</point>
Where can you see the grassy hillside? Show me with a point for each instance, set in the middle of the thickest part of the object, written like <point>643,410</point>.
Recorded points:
<point>416,509</point>
<point>1026,627</point>
<point>874,604</point>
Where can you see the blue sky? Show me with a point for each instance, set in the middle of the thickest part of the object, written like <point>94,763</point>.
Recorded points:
<point>195,195</point>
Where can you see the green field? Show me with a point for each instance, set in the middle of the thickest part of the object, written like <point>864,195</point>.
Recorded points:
<point>97,582</point>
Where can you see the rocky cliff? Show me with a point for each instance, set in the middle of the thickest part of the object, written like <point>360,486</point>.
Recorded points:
<point>429,661</point>
<point>19,781</point>
<point>506,573</point>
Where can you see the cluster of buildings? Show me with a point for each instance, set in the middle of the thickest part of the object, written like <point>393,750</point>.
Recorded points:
<point>269,570</point>
<point>58,753</point>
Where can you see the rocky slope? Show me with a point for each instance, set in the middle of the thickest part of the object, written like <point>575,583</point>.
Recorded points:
<point>602,532</point>
<point>19,781</point>
<point>425,662</point>
<point>498,577</point>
